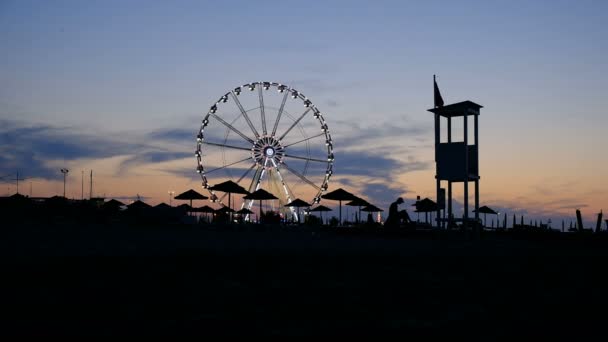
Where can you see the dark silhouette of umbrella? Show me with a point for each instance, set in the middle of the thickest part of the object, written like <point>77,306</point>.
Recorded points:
<point>358,202</point>
<point>190,195</point>
<point>321,209</point>
<point>371,208</point>
<point>486,210</point>
<point>203,209</point>
<point>425,206</point>
<point>339,195</point>
<point>260,195</point>
<point>244,211</point>
<point>185,207</point>
<point>298,203</point>
<point>229,187</point>
<point>113,205</point>
<point>137,205</point>
<point>163,206</point>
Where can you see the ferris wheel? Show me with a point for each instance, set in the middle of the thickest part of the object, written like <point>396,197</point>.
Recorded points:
<point>266,135</point>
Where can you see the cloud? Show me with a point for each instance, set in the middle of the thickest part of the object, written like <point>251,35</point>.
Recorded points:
<point>28,148</point>
<point>150,157</point>
<point>174,135</point>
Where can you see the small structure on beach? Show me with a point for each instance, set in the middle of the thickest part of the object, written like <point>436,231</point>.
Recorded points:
<point>456,161</point>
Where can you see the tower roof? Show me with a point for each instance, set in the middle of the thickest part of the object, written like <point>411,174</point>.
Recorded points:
<point>457,109</point>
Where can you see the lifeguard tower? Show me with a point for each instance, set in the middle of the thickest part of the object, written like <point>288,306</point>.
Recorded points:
<point>456,161</point>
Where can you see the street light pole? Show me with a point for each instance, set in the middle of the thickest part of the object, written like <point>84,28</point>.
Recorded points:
<point>65,172</point>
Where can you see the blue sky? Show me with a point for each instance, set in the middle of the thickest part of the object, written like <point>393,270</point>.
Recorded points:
<point>115,72</point>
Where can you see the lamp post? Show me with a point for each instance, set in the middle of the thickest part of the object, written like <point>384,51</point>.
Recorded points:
<point>171,193</point>
<point>65,172</point>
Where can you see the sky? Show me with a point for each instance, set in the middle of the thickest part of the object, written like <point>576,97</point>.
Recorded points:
<point>120,87</point>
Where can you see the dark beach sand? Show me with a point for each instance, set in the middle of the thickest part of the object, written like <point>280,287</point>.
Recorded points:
<point>175,281</point>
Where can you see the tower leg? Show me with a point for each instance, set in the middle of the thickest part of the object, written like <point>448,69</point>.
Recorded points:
<point>477,200</point>
<point>466,205</point>
<point>450,213</point>
<point>438,209</point>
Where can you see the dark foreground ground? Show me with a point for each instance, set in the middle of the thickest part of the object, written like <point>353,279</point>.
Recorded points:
<point>174,281</point>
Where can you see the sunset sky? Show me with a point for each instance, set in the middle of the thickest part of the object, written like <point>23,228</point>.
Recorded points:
<point>120,87</point>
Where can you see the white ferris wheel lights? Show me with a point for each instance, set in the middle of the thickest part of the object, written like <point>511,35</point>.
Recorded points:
<point>268,151</point>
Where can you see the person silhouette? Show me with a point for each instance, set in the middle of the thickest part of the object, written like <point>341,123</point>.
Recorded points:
<point>395,216</point>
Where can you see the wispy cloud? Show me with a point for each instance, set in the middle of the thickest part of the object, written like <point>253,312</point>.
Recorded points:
<point>29,147</point>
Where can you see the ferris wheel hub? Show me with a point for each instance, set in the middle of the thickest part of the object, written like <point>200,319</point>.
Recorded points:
<point>267,152</point>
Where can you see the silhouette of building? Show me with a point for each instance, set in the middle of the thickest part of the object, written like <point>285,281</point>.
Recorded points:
<point>457,161</point>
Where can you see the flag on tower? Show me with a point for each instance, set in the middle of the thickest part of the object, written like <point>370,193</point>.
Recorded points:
<point>438,98</point>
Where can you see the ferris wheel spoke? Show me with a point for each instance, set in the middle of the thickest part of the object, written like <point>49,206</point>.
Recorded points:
<point>228,165</point>
<point>305,158</point>
<point>244,113</point>
<point>301,176</point>
<point>232,128</point>
<point>295,123</point>
<point>262,114</point>
<point>276,122</point>
<point>303,140</point>
<point>227,146</point>
<point>278,172</point>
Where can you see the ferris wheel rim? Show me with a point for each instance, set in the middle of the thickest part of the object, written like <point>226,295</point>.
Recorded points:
<point>267,146</point>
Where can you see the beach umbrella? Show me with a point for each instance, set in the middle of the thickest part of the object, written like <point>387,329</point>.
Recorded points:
<point>339,195</point>
<point>229,187</point>
<point>162,206</point>
<point>320,209</point>
<point>514,220</point>
<point>522,221</point>
<point>260,195</point>
<point>297,203</point>
<point>137,205</point>
<point>190,195</point>
<point>425,206</point>
<point>358,202</point>
<point>371,209</point>
<point>244,211</point>
<point>185,207</point>
<point>204,209</point>
<point>112,205</point>
<point>486,210</point>
<point>504,223</point>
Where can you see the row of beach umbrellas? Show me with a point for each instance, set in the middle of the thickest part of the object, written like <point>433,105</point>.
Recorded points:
<point>230,187</point>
